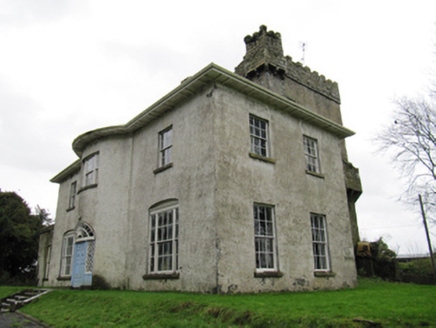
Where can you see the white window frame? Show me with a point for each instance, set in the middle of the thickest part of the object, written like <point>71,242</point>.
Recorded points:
<point>90,170</point>
<point>265,241</point>
<point>166,146</point>
<point>164,240</point>
<point>259,136</point>
<point>320,245</point>
<point>67,254</point>
<point>73,192</point>
<point>311,154</point>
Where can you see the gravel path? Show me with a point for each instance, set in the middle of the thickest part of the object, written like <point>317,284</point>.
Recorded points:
<point>13,319</point>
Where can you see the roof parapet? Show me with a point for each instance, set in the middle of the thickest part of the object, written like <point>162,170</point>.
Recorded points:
<point>312,79</point>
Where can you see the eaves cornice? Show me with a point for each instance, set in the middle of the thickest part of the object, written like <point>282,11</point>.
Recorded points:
<point>67,172</point>
<point>192,85</point>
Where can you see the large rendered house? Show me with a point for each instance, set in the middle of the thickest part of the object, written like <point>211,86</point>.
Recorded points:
<point>232,182</point>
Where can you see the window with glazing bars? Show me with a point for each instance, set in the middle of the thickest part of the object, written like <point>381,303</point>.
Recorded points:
<point>165,147</point>
<point>90,170</point>
<point>73,190</point>
<point>90,256</point>
<point>164,236</point>
<point>320,242</point>
<point>311,154</point>
<point>264,238</point>
<point>67,254</point>
<point>259,136</point>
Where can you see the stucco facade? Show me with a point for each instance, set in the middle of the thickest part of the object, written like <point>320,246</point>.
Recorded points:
<point>209,190</point>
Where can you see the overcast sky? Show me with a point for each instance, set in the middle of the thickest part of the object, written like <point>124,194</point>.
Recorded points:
<point>67,67</point>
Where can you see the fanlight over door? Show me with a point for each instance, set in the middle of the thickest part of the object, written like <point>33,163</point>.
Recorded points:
<point>83,255</point>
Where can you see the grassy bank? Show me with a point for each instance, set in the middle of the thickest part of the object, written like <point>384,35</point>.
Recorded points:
<point>7,290</point>
<point>386,304</point>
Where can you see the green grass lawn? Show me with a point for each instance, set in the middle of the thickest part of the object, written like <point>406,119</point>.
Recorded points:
<point>6,290</point>
<point>384,304</point>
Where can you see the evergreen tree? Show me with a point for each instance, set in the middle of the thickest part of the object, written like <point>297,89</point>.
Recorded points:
<point>19,236</point>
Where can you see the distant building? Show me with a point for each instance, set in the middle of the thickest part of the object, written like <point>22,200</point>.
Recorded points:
<point>412,257</point>
<point>232,182</point>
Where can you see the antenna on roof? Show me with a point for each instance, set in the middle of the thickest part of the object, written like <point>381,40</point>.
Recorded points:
<point>303,46</point>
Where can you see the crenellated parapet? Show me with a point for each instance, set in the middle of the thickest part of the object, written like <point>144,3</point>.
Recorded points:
<point>313,80</point>
<point>262,48</point>
<point>264,51</point>
<point>265,44</point>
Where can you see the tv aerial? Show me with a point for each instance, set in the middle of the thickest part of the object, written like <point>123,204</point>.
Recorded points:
<point>303,47</point>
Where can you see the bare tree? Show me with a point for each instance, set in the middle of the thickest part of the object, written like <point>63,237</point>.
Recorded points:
<point>411,140</point>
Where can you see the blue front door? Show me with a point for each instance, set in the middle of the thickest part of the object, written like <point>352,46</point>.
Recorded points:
<point>79,263</point>
<point>82,267</point>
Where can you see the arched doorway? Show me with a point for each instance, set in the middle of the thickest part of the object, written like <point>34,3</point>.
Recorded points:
<point>83,261</point>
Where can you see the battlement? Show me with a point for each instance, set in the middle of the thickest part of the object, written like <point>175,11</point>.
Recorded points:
<point>312,79</point>
<point>265,41</point>
<point>264,52</point>
<point>263,30</point>
<point>262,48</point>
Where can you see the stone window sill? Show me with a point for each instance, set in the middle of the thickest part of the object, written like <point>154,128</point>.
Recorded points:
<point>163,168</point>
<point>161,276</point>
<point>63,278</point>
<point>318,175</point>
<point>262,158</point>
<point>70,209</point>
<point>324,274</point>
<point>268,274</point>
<point>91,186</point>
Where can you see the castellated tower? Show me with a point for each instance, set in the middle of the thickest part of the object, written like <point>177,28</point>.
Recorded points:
<point>265,64</point>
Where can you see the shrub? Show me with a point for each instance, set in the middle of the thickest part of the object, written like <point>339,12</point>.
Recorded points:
<point>418,271</point>
<point>416,267</point>
<point>99,283</point>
